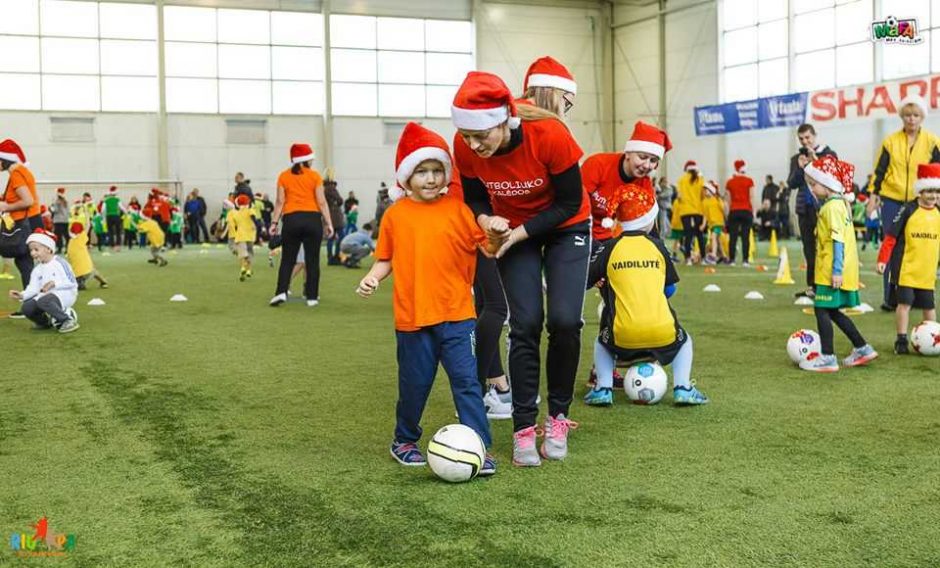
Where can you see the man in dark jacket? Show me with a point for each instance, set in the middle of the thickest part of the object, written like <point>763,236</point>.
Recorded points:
<point>243,186</point>
<point>805,202</point>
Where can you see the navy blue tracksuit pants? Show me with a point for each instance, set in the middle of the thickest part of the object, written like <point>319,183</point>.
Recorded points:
<point>419,352</point>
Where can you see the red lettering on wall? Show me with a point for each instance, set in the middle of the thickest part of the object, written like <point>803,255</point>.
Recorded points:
<point>857,102</point>
<point>921,88</point>
<point>881,99</point>
<point>934,92</point>
<point>822,106</point>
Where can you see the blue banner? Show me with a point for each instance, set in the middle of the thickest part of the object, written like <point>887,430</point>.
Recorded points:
<point>770,112</point>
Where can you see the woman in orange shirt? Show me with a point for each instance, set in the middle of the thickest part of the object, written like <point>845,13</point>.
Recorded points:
<point>20,201</point>
<point>301,202</point>
<point>522,180</point>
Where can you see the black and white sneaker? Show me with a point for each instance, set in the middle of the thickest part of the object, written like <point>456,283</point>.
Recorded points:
<point>17,315</point>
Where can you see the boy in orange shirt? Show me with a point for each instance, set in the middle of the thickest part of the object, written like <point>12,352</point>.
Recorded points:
<point>430,241</point>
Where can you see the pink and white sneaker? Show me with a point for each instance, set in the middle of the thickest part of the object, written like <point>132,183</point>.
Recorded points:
<point>524,453</point>
<point>555,444</point>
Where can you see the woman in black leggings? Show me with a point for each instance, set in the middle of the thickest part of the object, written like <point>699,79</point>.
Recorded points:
<point>302,203</point>
<point>520,175</point>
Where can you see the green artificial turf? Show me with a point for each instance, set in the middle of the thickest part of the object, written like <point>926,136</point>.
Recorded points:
<point>222,432</point>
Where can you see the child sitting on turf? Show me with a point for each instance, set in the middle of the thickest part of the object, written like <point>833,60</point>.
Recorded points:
<point>149,228</point>
<point>912,250</point>
<point>637,322</point>
<point>244,231</point>
<point>430,241</point>
<point>80,259</point>
<point>714,220</point>
<point>52,290</point>
<point>836,264</point>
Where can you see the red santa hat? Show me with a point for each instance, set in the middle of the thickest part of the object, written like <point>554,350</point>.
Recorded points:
<point>649,139</point>
<point>43,237</point>
<point>416,145</point>
<point>135,206</point>
<point>740,166</point>
<point>60,191</point>
<point>242,200</point>
<point>636,207</point>
<point>300,153</point>
<point>690,165</point>
<point>711,186</point>
<point>548,72</point>
<point>928,177</point>
<point>76,228</point>
<point>832,173</point>
<point>112,189</point>
<point>11,152</point>
<point>482,102</point>
<point>915,100</point>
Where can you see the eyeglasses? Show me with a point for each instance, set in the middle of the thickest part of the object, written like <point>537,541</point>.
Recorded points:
<point>568,103</point>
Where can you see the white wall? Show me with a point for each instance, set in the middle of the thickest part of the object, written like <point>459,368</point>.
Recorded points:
<point>692,79</point>
<point>509,38</point>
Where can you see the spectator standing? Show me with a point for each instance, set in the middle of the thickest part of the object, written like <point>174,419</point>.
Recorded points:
<point>60,220</point>
<point>335,202</point>
<point>806,205</point>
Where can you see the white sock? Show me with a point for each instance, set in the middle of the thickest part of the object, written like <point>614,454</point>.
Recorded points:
<point>682,365</point>
<point>604,362</point>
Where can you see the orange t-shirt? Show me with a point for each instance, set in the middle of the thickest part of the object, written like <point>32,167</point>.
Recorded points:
<point>20,176</point>
<point>433,251</point>
<point>602,177</point>
<point>739,187</point>
<point>300,191</point>
<point>518,183</point>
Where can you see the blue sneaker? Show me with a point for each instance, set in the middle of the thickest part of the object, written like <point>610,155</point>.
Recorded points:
<point>599,396</point>
<point>489,467</point>
<point>407,453</point>
<point>688,396</point>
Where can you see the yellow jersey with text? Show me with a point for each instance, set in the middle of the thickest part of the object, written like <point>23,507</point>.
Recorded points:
<point>919,243</point>
<point>637,269</point>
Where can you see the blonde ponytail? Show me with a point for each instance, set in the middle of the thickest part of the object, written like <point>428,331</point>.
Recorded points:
<point>529,113</point>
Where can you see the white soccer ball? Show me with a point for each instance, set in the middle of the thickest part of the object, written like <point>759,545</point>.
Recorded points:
<point>925,337</point>
<point>456,453</point>
<point>802,344</point>
<point>645,383</point>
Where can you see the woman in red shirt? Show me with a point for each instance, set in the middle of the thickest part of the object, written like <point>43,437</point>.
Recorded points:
<point>522,180</point>
<point>20,201</point>
<point>740,212</point>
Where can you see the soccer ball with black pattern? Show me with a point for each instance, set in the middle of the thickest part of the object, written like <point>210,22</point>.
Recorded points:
<point>645,383</point>
<point>456,453</point>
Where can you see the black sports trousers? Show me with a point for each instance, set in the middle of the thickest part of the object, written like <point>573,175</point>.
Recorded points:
<point>563,255</point>
<point>490,302</point>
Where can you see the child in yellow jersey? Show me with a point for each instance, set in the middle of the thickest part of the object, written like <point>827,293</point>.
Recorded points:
<point>80,259</point>
<point>243,230</point>
<point>836,264</point>
<point>637,322</point>
<point>675,229</point>
<point>715,221</point>
<point>912,250</point>
<point>155,238</point>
